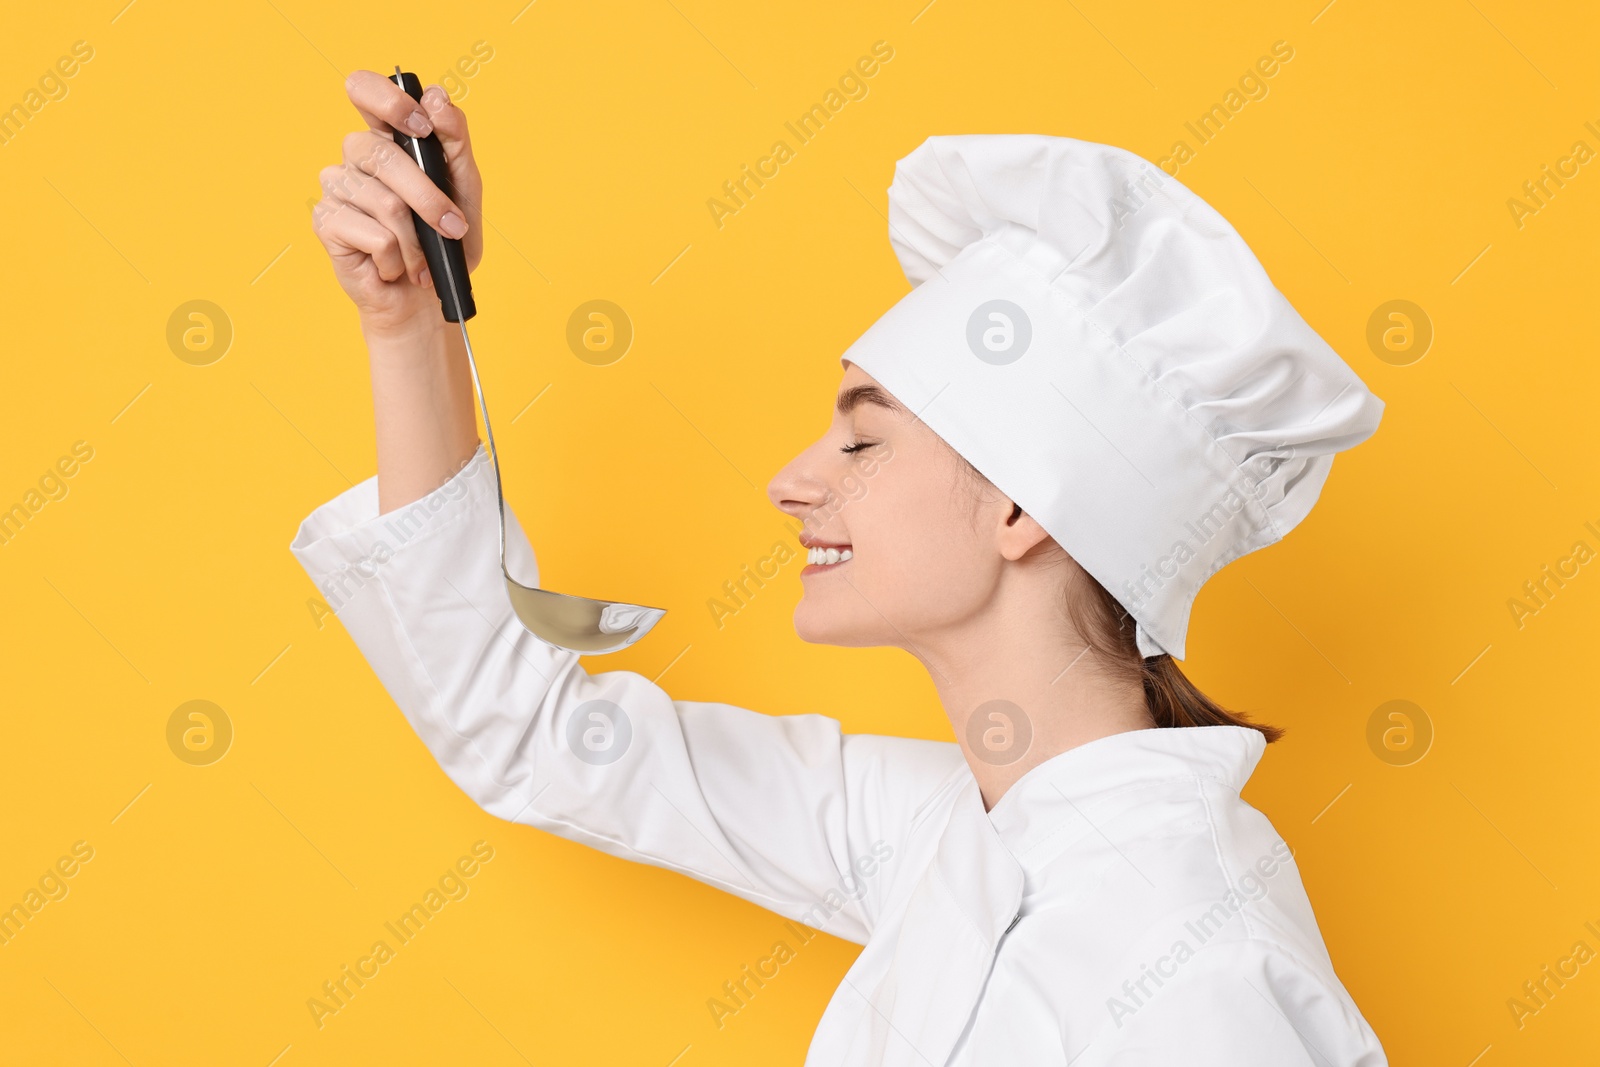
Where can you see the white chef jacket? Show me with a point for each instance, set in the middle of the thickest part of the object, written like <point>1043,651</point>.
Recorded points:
<point>1121,904</point>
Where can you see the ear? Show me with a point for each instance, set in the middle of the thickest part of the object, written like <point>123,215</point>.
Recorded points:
<point>1019,533</point>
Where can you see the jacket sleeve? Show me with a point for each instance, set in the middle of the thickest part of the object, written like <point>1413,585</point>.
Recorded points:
<point>785,811</point>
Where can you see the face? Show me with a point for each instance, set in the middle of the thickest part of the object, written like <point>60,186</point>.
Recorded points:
<point>926,550</point>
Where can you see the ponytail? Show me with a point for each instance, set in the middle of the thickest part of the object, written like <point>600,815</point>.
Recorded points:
<point>1173,700</point>
<point>1108,630</point>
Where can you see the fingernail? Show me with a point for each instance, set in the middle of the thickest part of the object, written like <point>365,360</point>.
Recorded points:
<point>419,124</point>
<point>453,225</point>
<point>433,99</point>
<point>424,278</point>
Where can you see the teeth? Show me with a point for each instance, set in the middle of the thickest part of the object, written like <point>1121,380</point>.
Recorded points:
<point>826,556</point>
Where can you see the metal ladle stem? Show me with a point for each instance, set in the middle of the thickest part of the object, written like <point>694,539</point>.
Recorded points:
<point>576,623</point>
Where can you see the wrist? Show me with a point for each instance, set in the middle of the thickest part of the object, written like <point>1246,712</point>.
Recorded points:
<point>415,336</point>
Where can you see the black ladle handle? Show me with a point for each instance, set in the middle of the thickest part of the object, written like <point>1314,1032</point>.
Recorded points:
<point>447,262</point>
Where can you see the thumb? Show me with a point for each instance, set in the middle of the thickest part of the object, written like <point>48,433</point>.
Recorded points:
<point>450,123</point>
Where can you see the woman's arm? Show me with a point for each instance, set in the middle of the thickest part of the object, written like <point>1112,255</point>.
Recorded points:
<point>421,389</point>
<point>422,408</point>
<point>784,811</point>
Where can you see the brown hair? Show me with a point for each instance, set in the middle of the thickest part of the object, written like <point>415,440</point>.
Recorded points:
<point>1108,630</point>
<point>1173,700</point>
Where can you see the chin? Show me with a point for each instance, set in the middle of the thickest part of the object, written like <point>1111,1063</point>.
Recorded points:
<point>811,629</point>
<point>823,626</point>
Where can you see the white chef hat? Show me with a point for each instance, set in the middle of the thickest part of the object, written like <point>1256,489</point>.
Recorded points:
<point>1102,346</point>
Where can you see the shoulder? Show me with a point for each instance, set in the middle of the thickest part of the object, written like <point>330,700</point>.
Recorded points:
<point>1238,1001</point>
<point>915,774</point>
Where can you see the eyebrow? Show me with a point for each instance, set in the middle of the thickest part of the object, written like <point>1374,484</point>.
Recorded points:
<point>857,395</point>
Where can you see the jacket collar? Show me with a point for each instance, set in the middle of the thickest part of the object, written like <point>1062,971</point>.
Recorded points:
<point>982,875</point>
<point>982,856</point>
<point>972,891</point>
<point>1041,807</point>
<point>954,919</point>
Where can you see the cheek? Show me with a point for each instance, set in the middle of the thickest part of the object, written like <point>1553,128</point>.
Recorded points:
<point>917,565</point>
<point>916,537</point>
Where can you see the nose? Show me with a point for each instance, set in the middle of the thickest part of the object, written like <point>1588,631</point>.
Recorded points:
<point>799,488</point>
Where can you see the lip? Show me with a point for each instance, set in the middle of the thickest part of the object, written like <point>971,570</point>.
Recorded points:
<point>809,542</point>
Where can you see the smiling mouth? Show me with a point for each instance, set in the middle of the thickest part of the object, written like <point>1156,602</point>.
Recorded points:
<point>824,559</point>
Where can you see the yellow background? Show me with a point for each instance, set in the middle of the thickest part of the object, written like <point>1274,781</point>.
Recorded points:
<point>180,166</point>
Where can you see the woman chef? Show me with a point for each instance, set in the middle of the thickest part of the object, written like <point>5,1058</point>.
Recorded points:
<point>1091,400</point>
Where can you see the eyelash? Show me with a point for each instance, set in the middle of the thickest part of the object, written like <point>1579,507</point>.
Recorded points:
<point>855,446</point>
